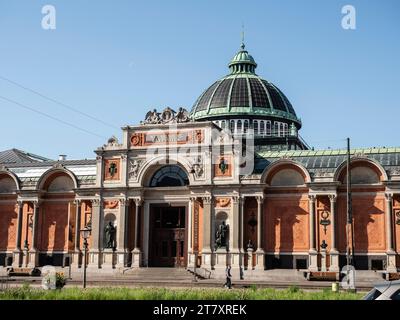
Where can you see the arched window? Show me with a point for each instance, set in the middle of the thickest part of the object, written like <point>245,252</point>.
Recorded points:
<point>169,176</point>
<point>281,129</point>
<point>232,126</point>
<point>239,126</point>
<point>245,125</point>
<point>255,126</point>
<point>268,129</point>
<point>222,124</point>
<point>262,124</point>
<point>276,129</point>
<point>286,130</point>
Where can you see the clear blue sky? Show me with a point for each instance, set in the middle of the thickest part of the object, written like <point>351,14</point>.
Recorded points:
<point>117,59</point>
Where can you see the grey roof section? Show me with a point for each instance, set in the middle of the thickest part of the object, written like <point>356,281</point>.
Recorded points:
<point>327,161</point>
<point>52,163</point>
<point>17,156</point>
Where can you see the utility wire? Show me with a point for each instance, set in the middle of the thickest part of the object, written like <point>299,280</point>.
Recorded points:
<point>58,102</point>
<point>51,117</point>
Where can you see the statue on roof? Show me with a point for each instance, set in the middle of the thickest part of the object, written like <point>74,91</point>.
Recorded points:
<point>182,115</point>
<point>167,116</point>
<point>152,117</point>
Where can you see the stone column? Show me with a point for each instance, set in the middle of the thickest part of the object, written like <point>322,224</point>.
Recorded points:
<point>242,249</point>
<point>313,254</point>
<point>95,247</point>
<point>207,233</point>
<point>234,253</point>
<point>77,235</point>
<point>122,251</point>
<point>334,253</point>
<point>137,253</point>
<point>33,252</point>
<point>260,246</point>
<point>190,214</point>
<point>17,252</point>
<point>390,253</point>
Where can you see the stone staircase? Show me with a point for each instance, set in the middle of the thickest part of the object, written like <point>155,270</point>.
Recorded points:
<point>181,277</point>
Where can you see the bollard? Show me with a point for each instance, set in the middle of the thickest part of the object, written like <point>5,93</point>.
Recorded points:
<point>335,286</point>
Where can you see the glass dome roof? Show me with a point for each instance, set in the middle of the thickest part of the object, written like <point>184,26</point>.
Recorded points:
<point>243,93</point>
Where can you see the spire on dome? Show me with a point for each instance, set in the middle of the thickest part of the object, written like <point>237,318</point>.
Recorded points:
<point>242,62</point>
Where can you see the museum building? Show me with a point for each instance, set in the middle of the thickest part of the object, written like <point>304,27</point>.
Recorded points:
<point>230,183</point>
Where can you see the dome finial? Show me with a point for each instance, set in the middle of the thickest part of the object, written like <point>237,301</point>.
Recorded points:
<point>242,45</point>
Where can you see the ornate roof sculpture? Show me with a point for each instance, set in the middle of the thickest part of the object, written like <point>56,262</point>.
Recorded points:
<point>243,92</point>
<point>167,116</point>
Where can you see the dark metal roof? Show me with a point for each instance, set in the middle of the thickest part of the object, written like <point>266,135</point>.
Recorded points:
<point>243,93</point>
<point>18,156</point>
<point>246,91</point>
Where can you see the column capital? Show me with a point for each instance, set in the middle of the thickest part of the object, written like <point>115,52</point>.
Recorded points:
<point>312,197</point>
<point>138,201</point>
<point>20,203</point>
<point>332,197</point>
<point>235,198</point>
<point>37,203</point>
<point>207,199</point>
<point>77,202</point>
<point>96,202</point>
<point>260,199</point>
<point>388,196</point>
<point>124,201</point>
<point>193,198</point>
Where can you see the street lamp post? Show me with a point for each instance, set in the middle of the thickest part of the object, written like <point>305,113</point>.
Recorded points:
<point>85,235</point>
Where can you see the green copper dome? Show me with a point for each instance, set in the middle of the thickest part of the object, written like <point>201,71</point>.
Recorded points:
<point>242,93</point>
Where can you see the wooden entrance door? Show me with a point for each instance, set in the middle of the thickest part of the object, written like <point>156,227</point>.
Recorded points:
<point>167,236</point>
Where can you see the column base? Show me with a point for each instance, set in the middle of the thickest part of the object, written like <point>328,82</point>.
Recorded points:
<point>191,260</point>
<point>391,262</point>
<point>122,258</point>
<point>108,259</point>
<point>136,258</point>
<point>323,262</point>
<point>234,258</point>
<point>334,261</point>
<point>250,253</point>
<point>94,260</point>
<point>260,260</point>
<point>221,259</point>
<point>33,259</point>
<point>17,258</point>
<point>313,260</point>
<point>76,259</point>
<point>206,259</point>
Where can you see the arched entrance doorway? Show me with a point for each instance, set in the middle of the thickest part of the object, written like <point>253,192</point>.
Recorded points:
<point>168,221</point>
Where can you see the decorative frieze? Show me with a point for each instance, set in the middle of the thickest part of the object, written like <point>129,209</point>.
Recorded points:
<point>168,137</point>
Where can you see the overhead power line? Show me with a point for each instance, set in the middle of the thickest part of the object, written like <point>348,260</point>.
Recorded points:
<point>51,117</point>
<point>58,102</point>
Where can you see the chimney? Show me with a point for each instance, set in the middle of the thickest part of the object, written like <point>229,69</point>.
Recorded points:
<point>62,157</point>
